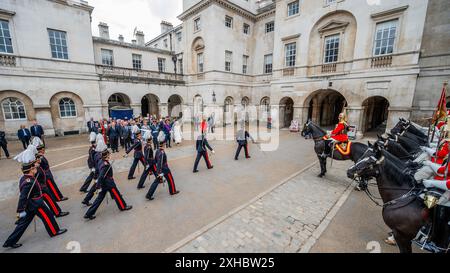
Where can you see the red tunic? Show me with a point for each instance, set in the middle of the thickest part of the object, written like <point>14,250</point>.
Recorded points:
<point>441,154</point>
<point>338,133</point>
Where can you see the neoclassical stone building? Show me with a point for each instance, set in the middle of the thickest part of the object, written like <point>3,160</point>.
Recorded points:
<point>301,58</point>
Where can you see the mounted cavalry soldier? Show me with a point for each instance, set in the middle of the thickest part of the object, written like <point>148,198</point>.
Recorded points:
<point>31,201</point>
<point>339,134</point>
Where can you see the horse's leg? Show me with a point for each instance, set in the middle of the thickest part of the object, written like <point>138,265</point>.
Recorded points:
<point>403,242</point>
<point>322,166</point>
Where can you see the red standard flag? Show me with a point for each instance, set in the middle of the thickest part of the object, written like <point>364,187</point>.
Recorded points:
<point>441,112</point>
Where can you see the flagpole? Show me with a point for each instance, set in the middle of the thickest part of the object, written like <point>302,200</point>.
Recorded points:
<point>439,110</point>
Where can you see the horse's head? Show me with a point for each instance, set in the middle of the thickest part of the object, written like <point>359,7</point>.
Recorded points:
<point>366,168</point>
<point>307,131</point>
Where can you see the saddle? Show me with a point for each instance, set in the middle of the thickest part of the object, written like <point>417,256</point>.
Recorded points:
<point>344,148</point>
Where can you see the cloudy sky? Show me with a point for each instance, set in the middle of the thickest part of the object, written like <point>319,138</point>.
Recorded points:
<point>123,16</point>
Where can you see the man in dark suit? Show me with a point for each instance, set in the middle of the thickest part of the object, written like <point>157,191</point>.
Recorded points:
<point>24,135</point>
<point>37,131</point>
<point>4,144</point>
<point>91,125</point>
<point>113,134</point>
<point>201,146</point>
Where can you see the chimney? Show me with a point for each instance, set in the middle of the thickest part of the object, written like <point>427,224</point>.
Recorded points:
<point>165,26</point>
<point>121,39</point>
<point>103,30</point>
<point>140,38</point>
<point>134,42</point>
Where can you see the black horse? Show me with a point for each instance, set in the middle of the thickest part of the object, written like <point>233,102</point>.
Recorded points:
<point>403,211</point>
<point>395,148</point>
<point>410,145</point>
<point>323,149</point>
<point>405,125</point>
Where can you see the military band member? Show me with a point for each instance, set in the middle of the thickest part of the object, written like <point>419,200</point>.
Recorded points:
<point>201,146</point>
<point>138,155</point>
<point>162,168</point>
<point>90,163</point>
<point>54,190</point>
<point>100,146</point>
<point>31,202</point>
<point>149,161</point>
<point>242,140</point>
<point>107,185</point>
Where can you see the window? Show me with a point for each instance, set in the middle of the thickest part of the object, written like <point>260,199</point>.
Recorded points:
<point>228,104</point>
<point>58,44</point>
<point>270,26</point>
<point>290,53</point>
<point>67,108</point>
<point>197,24</point>
<point>246,29</point>
<point>244,64</point>
<point>268,63</point>
<point>331,49</point>
<point>107,57</point>
<point>180,65</point>
<point>137,61</point>
<point>200,62</point>
<point>265,105</point>
<point>5,37</point>
<point>179,36</point>
<point>13,109</point>
<point>385,38</point>
<point>165,43</point>
<point>229,21</point>
<point>228,59</point>
<point>293,8</point>
<point>161,65</point>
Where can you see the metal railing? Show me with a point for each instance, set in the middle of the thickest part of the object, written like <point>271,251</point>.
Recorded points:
<point>129,74</point>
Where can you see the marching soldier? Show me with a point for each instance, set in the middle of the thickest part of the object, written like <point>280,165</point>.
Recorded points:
<point>138,155</point>
<point>97,159</point>
<point>162,168</point>
<point>54,190</point>
<point>91,163</point>
<point>31,202</point>
<point>149,160</point>
<point>200,146</point>
<point>106,184</point>
<point>242,140</point>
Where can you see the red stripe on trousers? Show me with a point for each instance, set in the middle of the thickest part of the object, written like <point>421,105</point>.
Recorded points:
<point>207,160</point>
<point>171,182</point>
<point>47,220</point>
<point>52,205</point>
<point>118,198</point>
<point>448,184</point>
<point>52,187</point>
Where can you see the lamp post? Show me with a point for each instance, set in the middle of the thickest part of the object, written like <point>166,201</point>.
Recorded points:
<point>214,97</point>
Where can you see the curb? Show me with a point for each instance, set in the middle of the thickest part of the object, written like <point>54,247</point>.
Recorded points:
<point>306,248</point>
<point>211,225</point>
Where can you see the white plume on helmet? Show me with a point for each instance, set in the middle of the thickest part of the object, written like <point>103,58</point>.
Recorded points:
<point>147,134</point>
<point>101,146</point>
<point>36,142</point>
<point>92,137</point>
<point>27,156</point>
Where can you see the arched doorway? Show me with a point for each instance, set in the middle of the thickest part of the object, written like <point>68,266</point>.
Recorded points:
<point>286,112</point>
<point>376,111</point>
<point>325,107</point>
<point>150,105</point>
<point>228,110</point>
<point>175,106</point>
<point>118,100</point>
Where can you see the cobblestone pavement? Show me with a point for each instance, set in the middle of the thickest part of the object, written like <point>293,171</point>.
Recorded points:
<point>286,219</point>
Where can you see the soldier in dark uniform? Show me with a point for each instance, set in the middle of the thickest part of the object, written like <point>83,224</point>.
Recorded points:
<point>138,155</point>
<point>201,145</point>
<point>90,163</point>
<point>97,159</point>
<point>162,168</point>
<point>242,140</point>
<point>149,161</point>
<point>31,203</point>
<point>107,184</point>
<point>54,190</point>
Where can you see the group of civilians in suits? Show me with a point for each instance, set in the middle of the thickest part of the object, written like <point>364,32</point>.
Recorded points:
<point>25,135</point>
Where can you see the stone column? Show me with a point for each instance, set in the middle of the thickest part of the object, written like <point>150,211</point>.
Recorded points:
<point>355,117</point>
<point>395,113</point>
<point>44,118</point>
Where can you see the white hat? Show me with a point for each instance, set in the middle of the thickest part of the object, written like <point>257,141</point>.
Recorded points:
<point>36,142</point>
<point>147,135</point>
<point>101,146</point>
<point>92,137</point>
<point>27,157</point>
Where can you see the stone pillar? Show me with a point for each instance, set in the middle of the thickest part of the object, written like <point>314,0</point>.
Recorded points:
<point>163,109</point>
<point>395,113</point>
<point>137,109</point>
<point>44,118</point>
<point>355,117</point>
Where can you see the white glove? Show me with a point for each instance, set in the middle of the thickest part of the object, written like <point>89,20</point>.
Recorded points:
<point>161,175</point>
<point>429,151</point>
<point>22,214</point>
<point>213,151</point>
<point>93,170</point>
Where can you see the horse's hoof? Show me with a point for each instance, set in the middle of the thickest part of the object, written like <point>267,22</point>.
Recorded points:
<point>321,175</point>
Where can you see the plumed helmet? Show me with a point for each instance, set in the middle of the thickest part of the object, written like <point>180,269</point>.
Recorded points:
<point>147,135</point>
<point>27,158</point>
<point>37,143</point>
<point>101,146</point>
<point>93,137</point>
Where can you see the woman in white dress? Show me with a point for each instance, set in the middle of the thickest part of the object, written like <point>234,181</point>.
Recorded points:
<point>177,132</point>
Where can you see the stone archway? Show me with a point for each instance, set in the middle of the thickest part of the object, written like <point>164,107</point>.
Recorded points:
<point>175,103</point>
<point>9,123</point>
<point>286,112</point>
<point>324,107</point>
<point>118,100</point>
<point>376,112</point>
<point>150,105</point>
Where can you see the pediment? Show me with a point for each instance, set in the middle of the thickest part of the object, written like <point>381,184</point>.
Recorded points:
<point>333,25</point>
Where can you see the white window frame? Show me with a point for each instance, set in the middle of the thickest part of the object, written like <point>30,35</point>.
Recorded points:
<point>166,45</point>
<point>290,54</point>
<point>107,60</point>
<point>180,65</point>
<point>228,21</point>
<point>265,108</point>
<point>267,64</point>
<point>72,111</point>
<point>200,62</point>
<point>197,24</point>
<point>331,40</point>
<point>137,61</point>
<point>5,38</point>
<point>228,61</point>
<point>18,104</point>
<point>246,29</point>
<point>179,36</point>
<point>162,65</point>
<point>245,59</point>
<point>383,39</point>
<point>293,8</point>
<point>58,44</point>
<point>270,27</point>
